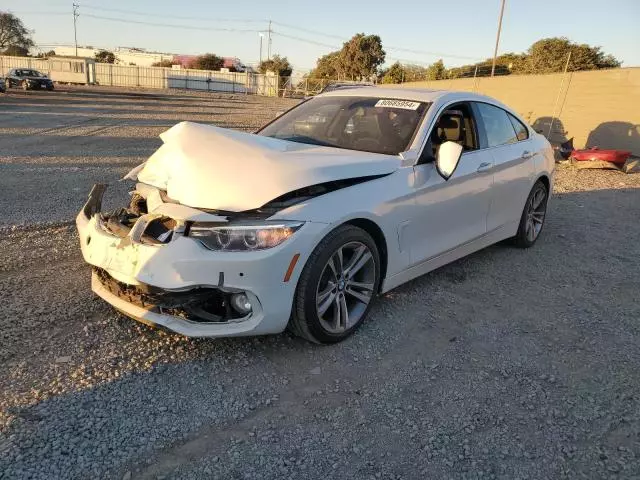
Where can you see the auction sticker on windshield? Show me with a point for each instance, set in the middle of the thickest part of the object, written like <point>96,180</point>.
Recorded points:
<point>407,105</point>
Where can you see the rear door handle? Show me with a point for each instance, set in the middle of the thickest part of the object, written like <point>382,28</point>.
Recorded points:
<point>484,167</point>
<point>527,154</point>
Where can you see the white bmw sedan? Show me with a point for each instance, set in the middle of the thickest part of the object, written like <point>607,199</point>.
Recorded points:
<point>304,223</point>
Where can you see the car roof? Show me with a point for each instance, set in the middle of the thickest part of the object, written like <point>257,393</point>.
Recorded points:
<point>413,94</point>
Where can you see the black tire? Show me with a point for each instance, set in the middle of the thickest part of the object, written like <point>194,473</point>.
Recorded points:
<point>522,240</point>
<point>304,320</point>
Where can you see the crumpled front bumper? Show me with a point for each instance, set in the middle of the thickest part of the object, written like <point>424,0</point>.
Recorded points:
<point>184,264</point>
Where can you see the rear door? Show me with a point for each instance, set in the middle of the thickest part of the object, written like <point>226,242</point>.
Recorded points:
<point>508,141</point>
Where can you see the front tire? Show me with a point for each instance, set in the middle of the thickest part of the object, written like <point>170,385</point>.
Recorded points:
<point>337,286</point>
<point>533,216</point>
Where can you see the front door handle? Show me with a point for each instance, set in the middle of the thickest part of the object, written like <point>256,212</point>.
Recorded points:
<point>484,167</point>
<point>527,154</point>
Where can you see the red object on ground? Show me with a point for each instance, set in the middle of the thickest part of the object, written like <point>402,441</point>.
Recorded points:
<point>614,156</point>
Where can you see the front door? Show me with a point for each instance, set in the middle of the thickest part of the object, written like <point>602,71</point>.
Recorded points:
<point>452,212</point>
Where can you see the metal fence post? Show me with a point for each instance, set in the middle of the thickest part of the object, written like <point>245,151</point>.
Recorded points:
<point>186,79</point>
<point>475,75</point>
<point>137,76</point>
<point>555,106</point>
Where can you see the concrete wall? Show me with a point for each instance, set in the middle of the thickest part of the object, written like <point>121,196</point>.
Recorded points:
<point>597,108</point>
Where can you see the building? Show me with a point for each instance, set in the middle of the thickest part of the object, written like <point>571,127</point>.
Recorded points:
<point>124,55</point>
<point>144,58</point>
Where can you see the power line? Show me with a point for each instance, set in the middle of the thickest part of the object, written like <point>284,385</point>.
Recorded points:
<point>435,54</point>
<point>178,17</point>
<point>387,47</point>
<point>247,30</point>
<point>41,12</point>
<point>308,30</point>
<point>292,37</point>
<point>171,25</point>
<point>305,40</point>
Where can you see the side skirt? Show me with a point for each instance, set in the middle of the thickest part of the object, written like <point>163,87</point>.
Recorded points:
<point>495,236</point>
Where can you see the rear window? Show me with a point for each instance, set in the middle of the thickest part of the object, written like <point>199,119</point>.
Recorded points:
<point>522,132</point>
<point>497,125</point>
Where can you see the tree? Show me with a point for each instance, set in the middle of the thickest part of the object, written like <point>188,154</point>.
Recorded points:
<point>279,65</point>
<point>359,58</point>
<point>414,73</point>
<point>105,56</point>
<point>394,74</point>
<point>16,51</point>
<point>50,53</point>
<point>208,61</point>
<point>436,71</point>
<point>327,66</point>
<point>13,33</point>
<point>165,63</point>
<point>550,55</point>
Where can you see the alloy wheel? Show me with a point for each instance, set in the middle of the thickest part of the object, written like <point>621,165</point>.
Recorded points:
<point>536,210</point>
<point>346,287</point>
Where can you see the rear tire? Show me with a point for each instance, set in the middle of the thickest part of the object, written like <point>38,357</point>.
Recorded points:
<point>337,286</point>
<point>533,216</point>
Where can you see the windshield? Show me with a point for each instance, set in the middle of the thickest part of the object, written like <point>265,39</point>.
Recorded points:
<point>368,124</point>
<point>28,73</point>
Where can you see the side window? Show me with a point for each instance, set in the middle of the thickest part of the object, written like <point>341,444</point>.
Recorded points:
<point>455,124</point>
<point>497,125</point>
<point>522,133</point>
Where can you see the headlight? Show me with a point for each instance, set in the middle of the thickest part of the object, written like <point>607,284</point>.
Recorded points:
<point>241,238</point>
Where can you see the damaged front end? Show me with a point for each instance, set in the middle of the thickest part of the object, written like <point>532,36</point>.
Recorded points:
<point>135,271</point>
<point>204,304</point>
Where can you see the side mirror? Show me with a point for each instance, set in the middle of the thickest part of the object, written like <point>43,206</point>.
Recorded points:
<point>448,158</point>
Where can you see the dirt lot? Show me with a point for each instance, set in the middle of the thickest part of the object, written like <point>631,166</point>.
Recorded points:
<point>507,364</point>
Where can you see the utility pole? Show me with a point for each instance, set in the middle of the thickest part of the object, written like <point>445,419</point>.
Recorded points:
<point>75,33</point>
<point>261,37</point>
<point>269,43</point>
<point>495,51</point>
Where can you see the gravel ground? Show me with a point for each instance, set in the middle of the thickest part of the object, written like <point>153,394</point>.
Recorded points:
<point>507,364</point>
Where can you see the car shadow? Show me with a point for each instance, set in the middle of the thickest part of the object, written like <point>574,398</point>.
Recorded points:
<point>558,133</point>
<point>619,135</point>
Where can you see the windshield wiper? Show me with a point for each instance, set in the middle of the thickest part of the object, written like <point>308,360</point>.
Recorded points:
<point>309,141</point>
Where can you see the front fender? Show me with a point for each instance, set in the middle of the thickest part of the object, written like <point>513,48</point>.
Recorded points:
<point>387,201</point>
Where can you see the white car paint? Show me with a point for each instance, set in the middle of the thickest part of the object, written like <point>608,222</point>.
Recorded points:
<point>206,166</point>
<point>426,221</point>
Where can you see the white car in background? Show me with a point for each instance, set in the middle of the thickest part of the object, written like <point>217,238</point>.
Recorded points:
<point>344,197</point>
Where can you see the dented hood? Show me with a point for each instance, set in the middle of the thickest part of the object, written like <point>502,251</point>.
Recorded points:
<point>214,168</point>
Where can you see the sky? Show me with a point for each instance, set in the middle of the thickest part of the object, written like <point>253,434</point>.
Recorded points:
<point>459,32</point>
